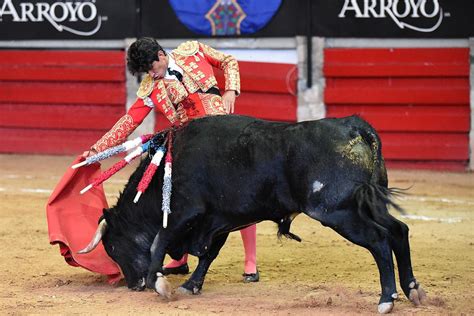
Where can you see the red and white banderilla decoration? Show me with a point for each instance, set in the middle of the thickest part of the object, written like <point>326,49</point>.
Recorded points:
<point>149,173</point>
<point>117,167</point>
<point>167,186</point>
<point>126,146</point>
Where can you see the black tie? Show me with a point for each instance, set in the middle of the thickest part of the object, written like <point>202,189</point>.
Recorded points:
<point>175,73</point>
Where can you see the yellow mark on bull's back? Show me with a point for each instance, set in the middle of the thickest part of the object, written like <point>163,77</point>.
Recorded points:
<point>358,152</point>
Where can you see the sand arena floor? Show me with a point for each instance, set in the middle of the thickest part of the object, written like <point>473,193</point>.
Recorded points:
<point>324,274</point>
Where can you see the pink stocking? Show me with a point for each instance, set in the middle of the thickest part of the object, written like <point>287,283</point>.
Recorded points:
<point>249,238</point>
<point>176,263</point>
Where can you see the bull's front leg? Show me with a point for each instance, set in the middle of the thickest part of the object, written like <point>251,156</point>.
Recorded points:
<point>155,278</point>
<point>195,282</point>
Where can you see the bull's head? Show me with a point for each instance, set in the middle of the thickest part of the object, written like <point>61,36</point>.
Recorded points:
<point>128,229</point>
<point>128,247</point>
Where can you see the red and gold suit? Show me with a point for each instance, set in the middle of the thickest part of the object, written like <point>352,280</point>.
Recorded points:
<point>179,101</point>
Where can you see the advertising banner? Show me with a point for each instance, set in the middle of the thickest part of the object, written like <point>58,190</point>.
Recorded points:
<point>78,19</point>
<point>393,18</point>
<point>118,19</point>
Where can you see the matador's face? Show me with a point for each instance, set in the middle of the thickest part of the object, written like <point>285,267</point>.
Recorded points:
<point>159,67</point>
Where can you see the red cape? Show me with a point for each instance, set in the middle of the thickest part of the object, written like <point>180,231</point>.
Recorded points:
<point>73,220</point>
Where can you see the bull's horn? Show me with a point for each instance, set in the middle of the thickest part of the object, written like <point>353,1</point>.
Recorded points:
<point>96,239</point>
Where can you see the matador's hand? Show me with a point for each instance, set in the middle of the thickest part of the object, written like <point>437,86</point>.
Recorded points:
<point>88,153</point>
<point>229,100</point>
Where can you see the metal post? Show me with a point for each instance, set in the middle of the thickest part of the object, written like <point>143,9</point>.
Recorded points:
<point>138,16</point>
<point>309,47</point>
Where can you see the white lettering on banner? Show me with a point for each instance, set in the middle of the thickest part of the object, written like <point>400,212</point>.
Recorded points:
<point>396,10</point>
<point>54,14</point>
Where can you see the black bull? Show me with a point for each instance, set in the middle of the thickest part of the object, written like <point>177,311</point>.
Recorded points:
<point>232,171</point>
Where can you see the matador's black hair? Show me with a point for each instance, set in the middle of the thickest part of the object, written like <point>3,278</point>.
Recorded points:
<point>141,55</point>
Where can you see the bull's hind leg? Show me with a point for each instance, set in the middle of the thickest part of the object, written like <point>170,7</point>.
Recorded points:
<point>195,282</point>
<point>349,225</point>
<point>401,248</point>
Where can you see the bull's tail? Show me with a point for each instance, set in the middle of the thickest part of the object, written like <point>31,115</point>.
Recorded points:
<point>373,201</point>
<point>374,197</point>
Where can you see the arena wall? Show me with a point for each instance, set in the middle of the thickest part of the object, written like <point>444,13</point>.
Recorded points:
<point>415,92</point>
<point>58,101</point>
<point>471,134</point>
<point>61,101</point>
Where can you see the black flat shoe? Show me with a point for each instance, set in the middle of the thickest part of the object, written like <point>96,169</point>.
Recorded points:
<point>251,277</point>
<point>182,269</point>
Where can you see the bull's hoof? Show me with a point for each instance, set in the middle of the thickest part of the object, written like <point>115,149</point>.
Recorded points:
<point>185,291</point>
<point>162,286</point>
<point>385,308</point>
<point>422,295</point>
<point>414,298</point>
<point>190,287</point>
<point>417,295</point>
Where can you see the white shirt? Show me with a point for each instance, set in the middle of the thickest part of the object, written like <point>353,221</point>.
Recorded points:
<point>173,66</point>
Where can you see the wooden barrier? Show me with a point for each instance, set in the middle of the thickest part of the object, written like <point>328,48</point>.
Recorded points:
<point>416,98</point>
<point>61,102</point>
<point>58,102</point>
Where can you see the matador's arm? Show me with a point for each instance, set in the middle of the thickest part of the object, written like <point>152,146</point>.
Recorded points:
<point>225,62</point>
<point>131,120</point>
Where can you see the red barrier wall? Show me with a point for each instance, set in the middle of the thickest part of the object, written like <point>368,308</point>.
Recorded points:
<point>417,99</point>
<point>58,102</point>
<point>61,102</point>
